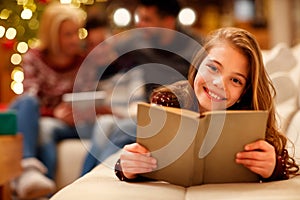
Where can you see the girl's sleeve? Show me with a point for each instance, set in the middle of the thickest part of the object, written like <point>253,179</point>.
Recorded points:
<point>119,173</point>
<point>280,172</point>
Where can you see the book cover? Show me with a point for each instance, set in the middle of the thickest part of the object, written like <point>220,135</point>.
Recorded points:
<point>193,149</point>
<point>85,100</point>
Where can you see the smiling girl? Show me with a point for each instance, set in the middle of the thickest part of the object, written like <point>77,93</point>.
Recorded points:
<point>228,73</point>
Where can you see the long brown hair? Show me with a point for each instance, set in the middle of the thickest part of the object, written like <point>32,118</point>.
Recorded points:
<point>259,91</point>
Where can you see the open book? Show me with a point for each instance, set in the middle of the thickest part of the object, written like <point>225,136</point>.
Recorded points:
<point>194,150</point>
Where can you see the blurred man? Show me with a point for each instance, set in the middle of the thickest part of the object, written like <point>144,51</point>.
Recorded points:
<point>162,50</point>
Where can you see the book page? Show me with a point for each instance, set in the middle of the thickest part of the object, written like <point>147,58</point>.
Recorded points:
<point>228,134</point>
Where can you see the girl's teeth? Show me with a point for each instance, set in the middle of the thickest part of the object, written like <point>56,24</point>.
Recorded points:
<point>214,95</point>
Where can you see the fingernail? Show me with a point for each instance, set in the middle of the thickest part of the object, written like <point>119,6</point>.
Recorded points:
<point>153,160</point>
<point>147,154</point>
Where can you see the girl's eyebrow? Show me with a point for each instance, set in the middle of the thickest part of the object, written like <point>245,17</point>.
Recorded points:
<point>215,61</point>
<point>237,73</point>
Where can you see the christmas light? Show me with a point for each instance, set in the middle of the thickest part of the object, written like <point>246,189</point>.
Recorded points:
<point>22,47</point>
<point>2,31</point>
<point>11,33</point>
<point>16,59</point>
<point>16,87</point>
<point>187,16</point>
<point>65,1</point>
<point>122,17</point>
<point>26,14</point>
<point>5,13</point>
<point>17,75</point>
<point>83,33</point>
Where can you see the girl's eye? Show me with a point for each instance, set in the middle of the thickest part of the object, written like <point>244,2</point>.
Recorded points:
<point>236,81</point>
<point>213,68</point>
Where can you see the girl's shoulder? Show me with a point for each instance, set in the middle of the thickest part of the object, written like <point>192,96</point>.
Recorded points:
<point>179,94</point>
<point>33,54</point>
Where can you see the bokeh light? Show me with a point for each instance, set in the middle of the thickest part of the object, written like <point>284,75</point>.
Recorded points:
<point>83,33</point>
<point>22,47</point>
<point>122,17</point>
<point>187,16</point>
<point>16,59</point>
<point>65,1</point>
<point>11,33</point>
<point>17,75</point>
<point>16,87</point>
<point>26,14</point>
<point>2,31</point>
<point>5,14</point>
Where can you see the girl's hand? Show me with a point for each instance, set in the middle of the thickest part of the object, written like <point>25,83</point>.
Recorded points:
<point>136,159</point>
<point>259,157</point>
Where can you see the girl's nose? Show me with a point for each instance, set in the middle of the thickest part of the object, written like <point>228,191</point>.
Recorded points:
<point>218,82</point>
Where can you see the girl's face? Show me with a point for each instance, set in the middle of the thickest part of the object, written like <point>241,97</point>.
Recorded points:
<point>69,38</point>
<point>221,78</point>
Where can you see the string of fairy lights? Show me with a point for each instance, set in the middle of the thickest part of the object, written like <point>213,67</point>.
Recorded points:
<point>19,22</point>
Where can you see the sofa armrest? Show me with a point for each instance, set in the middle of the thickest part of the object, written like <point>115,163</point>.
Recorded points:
<point>70,157</point>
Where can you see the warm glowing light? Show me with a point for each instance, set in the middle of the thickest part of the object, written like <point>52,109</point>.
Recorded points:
<point>33,43</point>
<point>122,17</point>
<point>187,16</point>
<point>65,1</point>
<point>17,75</point>
<point>82,33</point>
<point>20,30</point>
<point>26,14</point>
<point>89,2</point>
<point>21,2</point>
<point>16,87</point>
<point>11,33</point>
<point>5,14</point>
<point>2,31</point>
<point>136,18</point>
<point>22,47</point>
<point>16,59</point>
<point>33,24</point>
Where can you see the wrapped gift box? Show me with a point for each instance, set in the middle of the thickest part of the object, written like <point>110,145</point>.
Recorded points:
<point>8,123</point>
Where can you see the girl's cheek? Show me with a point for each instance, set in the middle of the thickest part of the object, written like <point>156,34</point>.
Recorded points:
<point>198,81</point>
<point>203,76</point>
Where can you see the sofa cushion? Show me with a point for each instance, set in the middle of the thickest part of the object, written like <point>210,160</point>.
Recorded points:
<point>277,190</point>
<point>284,85</point>
<point>101,183</point>
<point>279,58</point>
<point>286,97</point>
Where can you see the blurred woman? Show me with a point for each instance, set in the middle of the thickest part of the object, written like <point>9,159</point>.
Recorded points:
<point>50,70</point>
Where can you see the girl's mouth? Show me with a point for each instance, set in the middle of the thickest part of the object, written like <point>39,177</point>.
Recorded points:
<point>213,95</point>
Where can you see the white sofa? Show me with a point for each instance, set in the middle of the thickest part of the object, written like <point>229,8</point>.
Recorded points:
<point>283,65</point>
